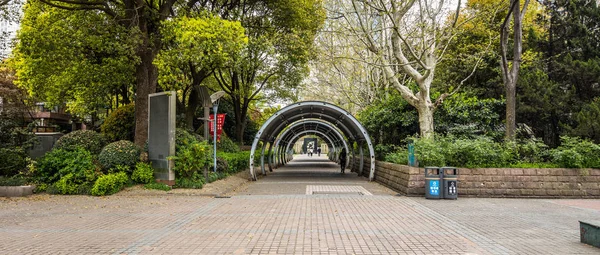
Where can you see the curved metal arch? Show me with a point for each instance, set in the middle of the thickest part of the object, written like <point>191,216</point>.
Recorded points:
<point>298,135</point>
<point>283,136</point>
<point>292,127</point>
<point>355,131</point>
<point>305,116</point>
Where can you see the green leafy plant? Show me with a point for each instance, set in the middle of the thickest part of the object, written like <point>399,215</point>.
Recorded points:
<point>120,124</point>
<point>59,163</point>
<point>158,186</point>
<point>109,184</point>
<point>85,139</point>
<point>227,145</point>
<point>143,173</point>
<point>12,181</point>
<point>235,162</point>
<point>124,153</point>
<point>12,161</point>
<point>191,158</point>
<point>196,181</point>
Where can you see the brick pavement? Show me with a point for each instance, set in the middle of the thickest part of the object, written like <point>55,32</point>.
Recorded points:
<point>258,220</point>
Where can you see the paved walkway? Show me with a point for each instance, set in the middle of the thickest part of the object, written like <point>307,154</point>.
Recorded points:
<point>344,214</point>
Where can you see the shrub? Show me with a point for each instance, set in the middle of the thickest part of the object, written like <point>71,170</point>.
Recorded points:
<point>191,158</point>
<point>59,163</point>
<point>120,124</point>
<point>589,151</point>
<point>12,181</point>
<point>227,145</point>
<point>124,153</point>
<point>222,165</point>
<point>86,139</point>
<point>109,184</point>
<point>143,173</point>
<point>568,158</point>
<point>212,176</point>
<point>12,161</point>
<point>236,162</point>
<point>196,181</point>
<point>158,186</point>
<point>183,138</point>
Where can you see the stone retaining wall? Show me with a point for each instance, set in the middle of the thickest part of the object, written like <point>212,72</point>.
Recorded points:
<point>495,182</point>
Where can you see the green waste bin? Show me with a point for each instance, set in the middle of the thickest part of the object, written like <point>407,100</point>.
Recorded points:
<point>433,189</point>
<point>449,182</point>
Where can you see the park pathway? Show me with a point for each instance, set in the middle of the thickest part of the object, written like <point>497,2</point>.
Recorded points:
<point>306,207</point>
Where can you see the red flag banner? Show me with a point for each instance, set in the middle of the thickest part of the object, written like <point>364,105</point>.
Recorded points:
<point>220,121</point>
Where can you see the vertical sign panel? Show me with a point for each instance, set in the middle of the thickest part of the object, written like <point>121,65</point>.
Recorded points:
<point>161,135</point>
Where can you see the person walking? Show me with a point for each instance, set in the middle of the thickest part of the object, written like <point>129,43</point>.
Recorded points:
<point>342,158</point>
<point>319,151</point>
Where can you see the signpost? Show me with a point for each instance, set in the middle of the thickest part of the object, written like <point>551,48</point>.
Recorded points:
<point>214,98</point>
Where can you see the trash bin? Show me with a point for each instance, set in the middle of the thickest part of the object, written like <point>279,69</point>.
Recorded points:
<point>433,189</point>
<point>449,182</point>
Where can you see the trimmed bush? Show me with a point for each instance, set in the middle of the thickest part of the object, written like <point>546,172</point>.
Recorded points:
<point>12,181</point>
<point>86,139</point>
<point>124,153</point>
<point>59,163</point>
<point>236,162</point>
<point>120,124</point>
<point>109,184</point>
<point>143,173</point>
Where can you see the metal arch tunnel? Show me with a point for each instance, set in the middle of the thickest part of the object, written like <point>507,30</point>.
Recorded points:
<point>337,127</point>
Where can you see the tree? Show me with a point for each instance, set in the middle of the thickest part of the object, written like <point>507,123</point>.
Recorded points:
<point>193,49</point>
<point>510,76</point>
<point>417,32</point>
<point>77,58</point>
<point>273,64</point>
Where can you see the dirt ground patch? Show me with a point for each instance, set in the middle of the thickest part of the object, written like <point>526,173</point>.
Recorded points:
<point>224,187</point>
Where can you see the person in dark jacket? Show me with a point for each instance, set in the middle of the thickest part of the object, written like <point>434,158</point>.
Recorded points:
<point>342,158</point>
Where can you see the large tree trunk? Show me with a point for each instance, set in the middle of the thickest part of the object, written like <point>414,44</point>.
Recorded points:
<point>425,111</point>
<point>190,110</point>
<point>146,78</point>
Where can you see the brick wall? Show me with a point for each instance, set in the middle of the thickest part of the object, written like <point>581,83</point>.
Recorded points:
<point>495,182</point>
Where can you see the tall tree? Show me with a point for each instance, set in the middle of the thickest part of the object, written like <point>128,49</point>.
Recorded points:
<point>78,58</point>
<point>192,49</point>
<point>418,32</point>
<point>510,71</point>
<point>273,64</point>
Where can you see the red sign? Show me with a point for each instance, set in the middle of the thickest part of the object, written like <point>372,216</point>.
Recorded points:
<point>220,121</point>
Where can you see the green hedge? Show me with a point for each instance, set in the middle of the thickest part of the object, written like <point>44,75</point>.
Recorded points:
<point>237,161</point>
<point>123,153</point>
<point>86,139</point>
<point>484,152</point>
<point>143,173</point>
<point>58,163</point>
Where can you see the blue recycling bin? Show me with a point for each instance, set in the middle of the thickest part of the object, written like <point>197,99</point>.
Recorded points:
<point>433,183</point>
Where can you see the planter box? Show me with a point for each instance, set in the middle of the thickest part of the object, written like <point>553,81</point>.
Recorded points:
<point>16,191</point>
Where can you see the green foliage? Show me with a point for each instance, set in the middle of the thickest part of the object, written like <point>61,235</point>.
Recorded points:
<point>196,181</point>
<point>74,57</point>
<point>227,145</point>
<point>587,121</point>
<point>236,162</point>
<point>120,124</point>
<point>85,139</point>
<point>143,173</point>
<point>12,161</point>
<point>222,165</point>
<point>12,181</point>
<point>191,158</point>
<point>109,184</point>
<point>484,152</point>
<point>59,163</point>
<point>183,138</point>
<point>464,116</point>
<point>212,176</point>
<point>124,153</point>
<point>389,121</point>
<point>575,152</point>
<point>157,186</point>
